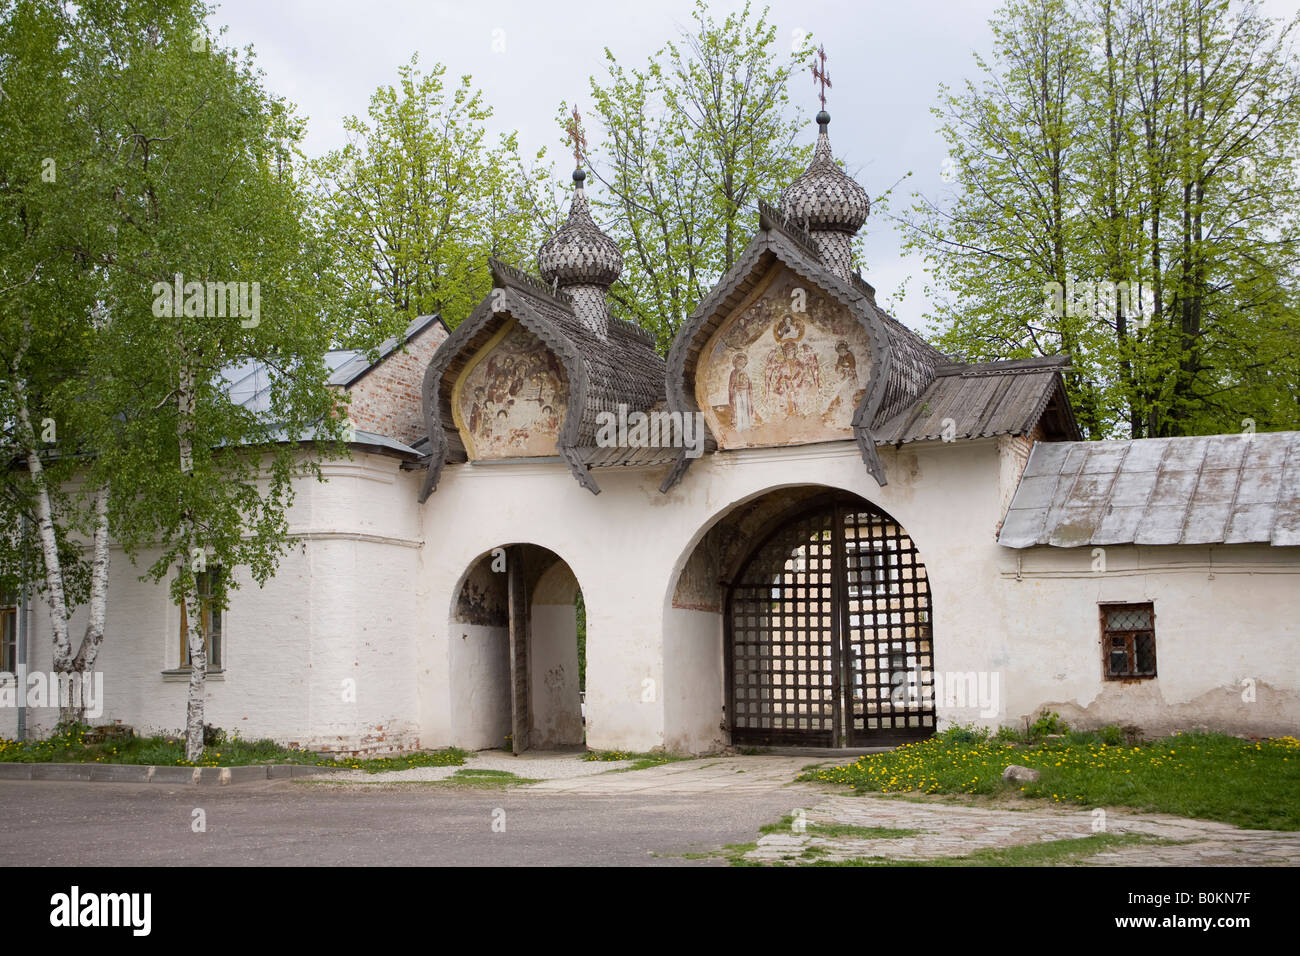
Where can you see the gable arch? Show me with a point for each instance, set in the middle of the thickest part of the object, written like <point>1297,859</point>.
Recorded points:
<point>902,363</point>
<point>500,307</point>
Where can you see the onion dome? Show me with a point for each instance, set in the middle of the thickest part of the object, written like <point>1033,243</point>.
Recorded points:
<point>580,254</point>
<point>825,198</point>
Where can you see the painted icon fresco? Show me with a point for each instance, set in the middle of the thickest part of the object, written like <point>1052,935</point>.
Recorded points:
<point>787,368</point>
<point>512,400</point>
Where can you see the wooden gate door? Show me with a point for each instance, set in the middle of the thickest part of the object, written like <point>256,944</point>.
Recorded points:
<point>828,628</point>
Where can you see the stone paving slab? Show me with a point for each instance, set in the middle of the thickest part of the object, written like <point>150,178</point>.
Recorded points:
<point>757,774</point>
<point>548,766</point>
<point>952,830</point>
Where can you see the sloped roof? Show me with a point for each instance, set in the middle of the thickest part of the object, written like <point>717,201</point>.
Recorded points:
<point>622,368</point>
<point>348,365</point>
<point>1208,489</point>
<point>248,383</point>
<point>983,400</point>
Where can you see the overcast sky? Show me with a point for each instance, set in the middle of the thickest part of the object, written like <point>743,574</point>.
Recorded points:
<point>886,61</point>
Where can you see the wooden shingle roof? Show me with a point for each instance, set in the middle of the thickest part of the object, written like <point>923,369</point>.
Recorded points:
<point>622,368</point>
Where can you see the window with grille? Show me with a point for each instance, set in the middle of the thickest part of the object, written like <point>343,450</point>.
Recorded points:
<point>1128,640</point>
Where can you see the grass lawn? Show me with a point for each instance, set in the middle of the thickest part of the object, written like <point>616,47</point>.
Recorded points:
<point>1254,784</point>
<point>70,746</point>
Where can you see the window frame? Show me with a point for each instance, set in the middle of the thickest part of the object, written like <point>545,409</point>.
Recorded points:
<point>215,658</point>
<point>9,610</point>
<point>1129,636</point>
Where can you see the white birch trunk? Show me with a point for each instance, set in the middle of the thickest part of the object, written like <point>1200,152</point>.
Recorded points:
<point>45,528</point>
<point>64,662</point>
<point>94,636</point>
<point>193,605</point>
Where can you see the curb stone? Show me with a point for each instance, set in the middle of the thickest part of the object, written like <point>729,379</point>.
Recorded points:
<point>143,773</point>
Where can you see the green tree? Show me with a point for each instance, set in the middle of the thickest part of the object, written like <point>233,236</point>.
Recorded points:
<point>185,208</point>
<point>418,199</point>
<point>687,146</point>
<point>1126,191</point>
<point>47,323</point>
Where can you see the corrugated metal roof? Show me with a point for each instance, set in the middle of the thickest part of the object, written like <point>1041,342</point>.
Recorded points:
<point>977,401</point>
<point>1205,489</point>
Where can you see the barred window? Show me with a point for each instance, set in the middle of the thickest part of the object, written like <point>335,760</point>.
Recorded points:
<point>1128,641</point>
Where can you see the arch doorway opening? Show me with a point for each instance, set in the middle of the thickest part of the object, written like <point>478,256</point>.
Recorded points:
<point>516,653</point>
<point>828,632</point>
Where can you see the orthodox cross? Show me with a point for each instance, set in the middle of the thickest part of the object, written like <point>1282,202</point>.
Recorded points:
<point>820,76</point>
<point>574,129</point>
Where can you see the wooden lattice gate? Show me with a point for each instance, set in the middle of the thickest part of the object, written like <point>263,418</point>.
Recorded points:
<point>828,633</point>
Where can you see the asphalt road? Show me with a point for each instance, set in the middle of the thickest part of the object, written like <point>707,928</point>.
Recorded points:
<point>298,824</point>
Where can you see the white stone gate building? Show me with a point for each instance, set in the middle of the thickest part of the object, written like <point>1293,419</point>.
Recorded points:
<point>874,540</point>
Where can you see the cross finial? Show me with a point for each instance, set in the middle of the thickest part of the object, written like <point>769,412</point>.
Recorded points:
<point>820,76</point>
<point>574,129</point>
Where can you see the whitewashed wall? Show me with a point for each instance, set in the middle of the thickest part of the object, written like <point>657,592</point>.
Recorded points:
<point>655,672</point>
<point>344,605</point>
<point>368,592</point>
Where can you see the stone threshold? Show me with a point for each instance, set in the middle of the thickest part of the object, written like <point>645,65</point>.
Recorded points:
<point>144,773</point>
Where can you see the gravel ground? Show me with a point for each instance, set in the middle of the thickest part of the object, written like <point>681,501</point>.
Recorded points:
<point>541,766</point>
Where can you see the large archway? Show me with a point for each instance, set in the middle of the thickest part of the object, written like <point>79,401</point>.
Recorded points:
<point>516,658</point>
<point>828,631</point>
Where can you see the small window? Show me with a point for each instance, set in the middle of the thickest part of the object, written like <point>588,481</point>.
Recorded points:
<point>1128,641</point>
<point>212,636</point>
<point>8,634</point>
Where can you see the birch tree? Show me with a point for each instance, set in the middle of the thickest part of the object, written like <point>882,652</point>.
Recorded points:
<point>1143,155</point>
<point>189,226</point>
<point>47,319</point>
<point>683,148</point>
<point>210,264</point>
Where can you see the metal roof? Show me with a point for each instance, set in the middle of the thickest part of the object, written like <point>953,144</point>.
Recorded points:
<point>249,382</point>
<point>348,365</point>
<point>982,400</point>
<point>1207,489</point>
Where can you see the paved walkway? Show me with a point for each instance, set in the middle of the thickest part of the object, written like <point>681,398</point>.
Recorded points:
<point>945,829</point>
<point>711,774</point>
<point>530,765</point>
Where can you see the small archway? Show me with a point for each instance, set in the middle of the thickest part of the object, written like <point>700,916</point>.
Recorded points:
<point>815,605</point>
<point>516,660</point>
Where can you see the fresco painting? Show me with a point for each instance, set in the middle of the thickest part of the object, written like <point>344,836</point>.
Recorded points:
<point>789,368</point>
<point>512,401</point>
